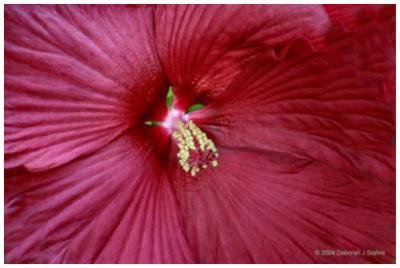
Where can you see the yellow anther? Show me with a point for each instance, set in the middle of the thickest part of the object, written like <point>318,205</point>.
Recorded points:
<point>191,139</point>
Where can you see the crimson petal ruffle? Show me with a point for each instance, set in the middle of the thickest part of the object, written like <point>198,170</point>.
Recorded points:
<point>74,79</point>
<point>331,106</point>
<point>115,206</point>
<point>354,17</point>
<point>203,47</point>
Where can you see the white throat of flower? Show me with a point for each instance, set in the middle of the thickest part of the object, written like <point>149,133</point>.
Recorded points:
<point>196,150</point>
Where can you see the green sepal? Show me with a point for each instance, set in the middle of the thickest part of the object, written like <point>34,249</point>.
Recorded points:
<point>195,107</point>
<point>152,123</point>
<point>170,98</point>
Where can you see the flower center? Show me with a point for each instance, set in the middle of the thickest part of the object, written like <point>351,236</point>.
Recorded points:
<point>196,150</point>
<point>173,117</point>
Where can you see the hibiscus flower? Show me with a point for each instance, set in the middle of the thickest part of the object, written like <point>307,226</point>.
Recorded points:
<point>199,134</point>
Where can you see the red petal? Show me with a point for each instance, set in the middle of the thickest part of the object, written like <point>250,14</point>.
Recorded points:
<point>334,106</point>
<point>73,79</point>
<point>203,47</point>
<point>354,17</point>
<point>115,206</point>
<point>270,207</point>
<point>363,18</point>
<point>306,158</point>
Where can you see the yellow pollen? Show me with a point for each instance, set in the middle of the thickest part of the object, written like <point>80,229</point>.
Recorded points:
<point>196,150</point>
